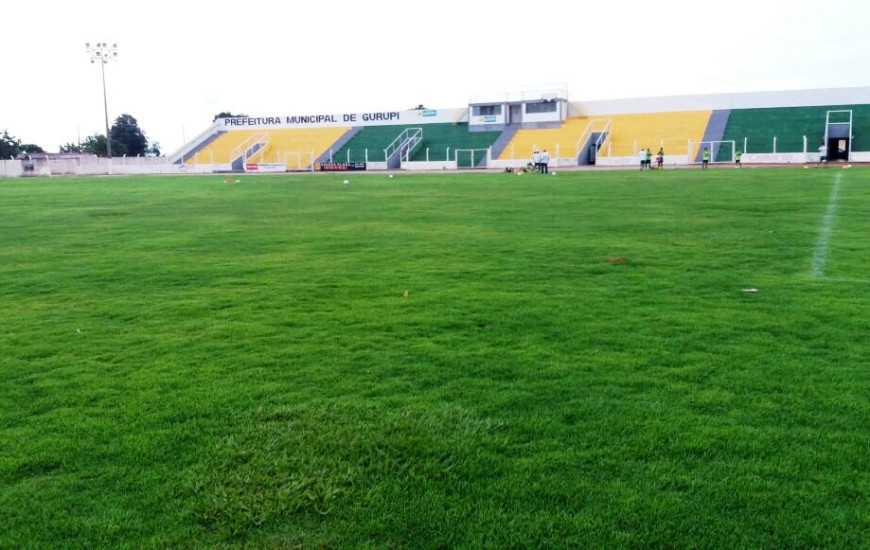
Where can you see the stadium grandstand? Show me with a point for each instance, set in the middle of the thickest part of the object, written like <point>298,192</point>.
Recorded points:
<point>503,130</point>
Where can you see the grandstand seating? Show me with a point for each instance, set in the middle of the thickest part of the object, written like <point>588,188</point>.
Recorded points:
<point>309,140</point>
<point>626,131</point>
<point>436,137</point>
<point>627,134</point>
<point>281,141</point>
<point>630,133</point>
<point>564,139</point>
<point>789,125</point>
<point>219,149</point>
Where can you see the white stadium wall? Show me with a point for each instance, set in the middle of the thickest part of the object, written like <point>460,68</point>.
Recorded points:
<point>11,168</point>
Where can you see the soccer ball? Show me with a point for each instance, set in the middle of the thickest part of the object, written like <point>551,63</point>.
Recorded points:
<point>391,176</point>
<point>347,182</point>
<point>554,173</point>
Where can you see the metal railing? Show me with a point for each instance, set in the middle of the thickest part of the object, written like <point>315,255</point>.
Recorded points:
<point>590,129</point>
<point>581,141</point>
<point>249,144</point>
<point>404,144</point>
<point>604,136</point>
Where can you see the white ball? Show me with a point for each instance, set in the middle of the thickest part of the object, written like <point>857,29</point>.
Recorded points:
<point>554,173</point>
<point>391,176</point>
<point>346,182</point>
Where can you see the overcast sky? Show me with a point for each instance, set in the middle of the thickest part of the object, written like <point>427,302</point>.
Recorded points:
<point>182,62</point>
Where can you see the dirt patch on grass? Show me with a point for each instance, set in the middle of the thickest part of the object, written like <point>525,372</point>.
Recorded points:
<point>617,261</point>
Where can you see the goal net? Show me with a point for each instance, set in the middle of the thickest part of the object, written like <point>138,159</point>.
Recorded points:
<point>721,152</point>
<point>470,158</point>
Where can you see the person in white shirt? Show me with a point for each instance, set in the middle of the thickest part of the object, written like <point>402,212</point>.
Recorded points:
<point>545,162</point>
<point>823,155</point>
<point>536,160</point>
<point>642,156</point>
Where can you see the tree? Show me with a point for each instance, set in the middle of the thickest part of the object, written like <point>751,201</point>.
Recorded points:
<point>9,145</point>
<point>126,131</point>
<point>70,148</point>
<point>154,149</point>
<point>96,145</point>
<point>32,148</point>
<point>227,114</point>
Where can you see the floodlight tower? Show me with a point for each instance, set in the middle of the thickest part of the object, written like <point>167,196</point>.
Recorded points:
<point>102,53</point>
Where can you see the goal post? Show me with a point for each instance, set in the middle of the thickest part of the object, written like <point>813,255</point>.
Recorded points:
<point>470,158</point>
<point>721,152</point>
<point>299,161</point>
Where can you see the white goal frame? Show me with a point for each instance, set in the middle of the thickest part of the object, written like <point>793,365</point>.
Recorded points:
<point>471,152</point>
<point>304,161</point>
<point>694,154</point>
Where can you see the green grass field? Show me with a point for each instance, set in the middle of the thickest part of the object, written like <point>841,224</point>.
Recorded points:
<point>189,362</point>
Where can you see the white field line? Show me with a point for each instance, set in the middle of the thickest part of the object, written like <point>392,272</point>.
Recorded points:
<point>820,254</point>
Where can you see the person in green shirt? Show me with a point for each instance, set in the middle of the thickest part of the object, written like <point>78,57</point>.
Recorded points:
<point>660,158</point>
<point>738,159</point>
<point>705,159</point>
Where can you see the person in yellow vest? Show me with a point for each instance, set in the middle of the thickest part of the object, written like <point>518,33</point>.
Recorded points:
<point>705,159</point>
<point>738,158</point>
<point>660,158</point>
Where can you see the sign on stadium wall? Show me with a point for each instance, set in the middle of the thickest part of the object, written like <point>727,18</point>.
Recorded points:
<point>265,167</point>
<point>339,166</point>
<point>382,118</point>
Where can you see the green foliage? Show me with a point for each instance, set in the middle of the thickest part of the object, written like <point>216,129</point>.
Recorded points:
<point>126,131</point>
<point>227,114</point>
<point>31,148</point>
<point>187,362</point>
<point>10,146</point>
<point>70,148</point>
<point>96,145</point>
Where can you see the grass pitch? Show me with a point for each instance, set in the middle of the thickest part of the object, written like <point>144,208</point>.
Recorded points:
<point>576,364</point>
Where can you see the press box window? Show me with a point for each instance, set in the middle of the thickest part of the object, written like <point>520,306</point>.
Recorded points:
<point>545,107</point>
<point>486,110</point>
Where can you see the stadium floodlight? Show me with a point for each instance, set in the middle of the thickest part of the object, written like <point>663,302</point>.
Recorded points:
<point>102,53</point>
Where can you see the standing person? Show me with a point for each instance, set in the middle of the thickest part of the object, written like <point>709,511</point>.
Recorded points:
<point>536,160</point>
<point>705,159</point>
<point>642,156</point>
<point>739,158</point>
<point>648,159</point>
<point>823,155</point>
<point>660,158</point>
<point>545,162</point>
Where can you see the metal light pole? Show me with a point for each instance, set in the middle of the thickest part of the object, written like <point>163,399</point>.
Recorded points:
<point>103,53</point>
